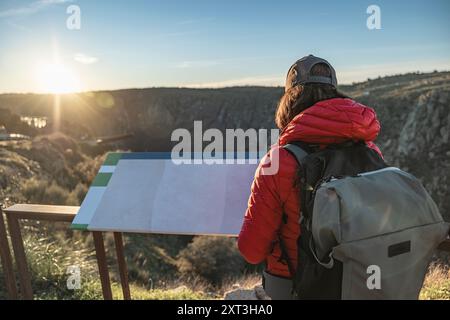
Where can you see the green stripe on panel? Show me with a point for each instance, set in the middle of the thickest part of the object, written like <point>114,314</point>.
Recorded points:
<point>112,158</point>
<point>102,179</point>
<point>76,226</point>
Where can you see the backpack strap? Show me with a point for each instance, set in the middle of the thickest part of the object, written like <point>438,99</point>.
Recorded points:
<point>300,151</point>
<point>296,151</point>
<point>284,257</point>
<point>299,155</point>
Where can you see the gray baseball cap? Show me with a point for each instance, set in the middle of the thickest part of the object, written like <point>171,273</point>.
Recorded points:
<point>299,72</point>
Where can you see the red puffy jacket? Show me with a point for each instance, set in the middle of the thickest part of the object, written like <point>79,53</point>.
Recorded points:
<point>326,122</point>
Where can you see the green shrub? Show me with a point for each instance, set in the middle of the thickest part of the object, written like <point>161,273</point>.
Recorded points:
<point>44,192</point>
<point>33,190</point>
<point>41,191</point>
<point>54,194</point>
<point>77,195</point>
<point>213,258</point>
<point>149,260</point>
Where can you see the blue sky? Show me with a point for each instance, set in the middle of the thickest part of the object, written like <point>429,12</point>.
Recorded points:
<point>123,44</point>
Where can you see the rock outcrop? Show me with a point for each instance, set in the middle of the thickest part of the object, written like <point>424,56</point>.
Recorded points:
<point>254,293</point>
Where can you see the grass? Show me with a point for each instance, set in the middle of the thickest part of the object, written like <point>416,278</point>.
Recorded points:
<point>437,283</point>
<point>436,287</point>
<point>91,290</point>
<point>244,282</point>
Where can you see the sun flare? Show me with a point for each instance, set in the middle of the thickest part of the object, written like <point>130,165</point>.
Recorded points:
<point>56,78</point>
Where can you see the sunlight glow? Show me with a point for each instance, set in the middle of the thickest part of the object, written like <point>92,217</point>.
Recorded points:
<point>56,78</point>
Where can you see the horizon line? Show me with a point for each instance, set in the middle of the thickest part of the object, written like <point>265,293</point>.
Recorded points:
<point>201,87</point>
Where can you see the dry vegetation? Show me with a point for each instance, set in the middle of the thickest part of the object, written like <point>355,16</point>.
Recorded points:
<point>437,283</point>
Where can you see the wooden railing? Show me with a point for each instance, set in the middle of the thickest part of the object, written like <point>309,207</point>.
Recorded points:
<point>18,212</point>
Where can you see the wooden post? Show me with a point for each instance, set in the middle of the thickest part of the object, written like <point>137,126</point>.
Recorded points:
<point>123,271</point>
<point>21,260</point>
<point>5,254</point>
<point>102,265</point>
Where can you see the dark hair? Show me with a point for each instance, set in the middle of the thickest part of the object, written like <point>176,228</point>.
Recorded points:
<point>300,97</point>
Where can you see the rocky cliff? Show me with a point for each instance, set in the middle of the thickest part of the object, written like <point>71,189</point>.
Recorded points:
<point>414,111</point>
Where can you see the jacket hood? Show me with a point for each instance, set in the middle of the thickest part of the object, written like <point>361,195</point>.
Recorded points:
<point>332,121</point>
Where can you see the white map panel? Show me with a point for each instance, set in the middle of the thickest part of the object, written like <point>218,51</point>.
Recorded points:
<point>158,196</point>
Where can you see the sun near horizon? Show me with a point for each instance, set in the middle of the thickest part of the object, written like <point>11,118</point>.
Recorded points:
<point>56,78</point>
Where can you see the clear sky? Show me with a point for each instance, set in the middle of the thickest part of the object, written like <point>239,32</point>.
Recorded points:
<point>124,44</point>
